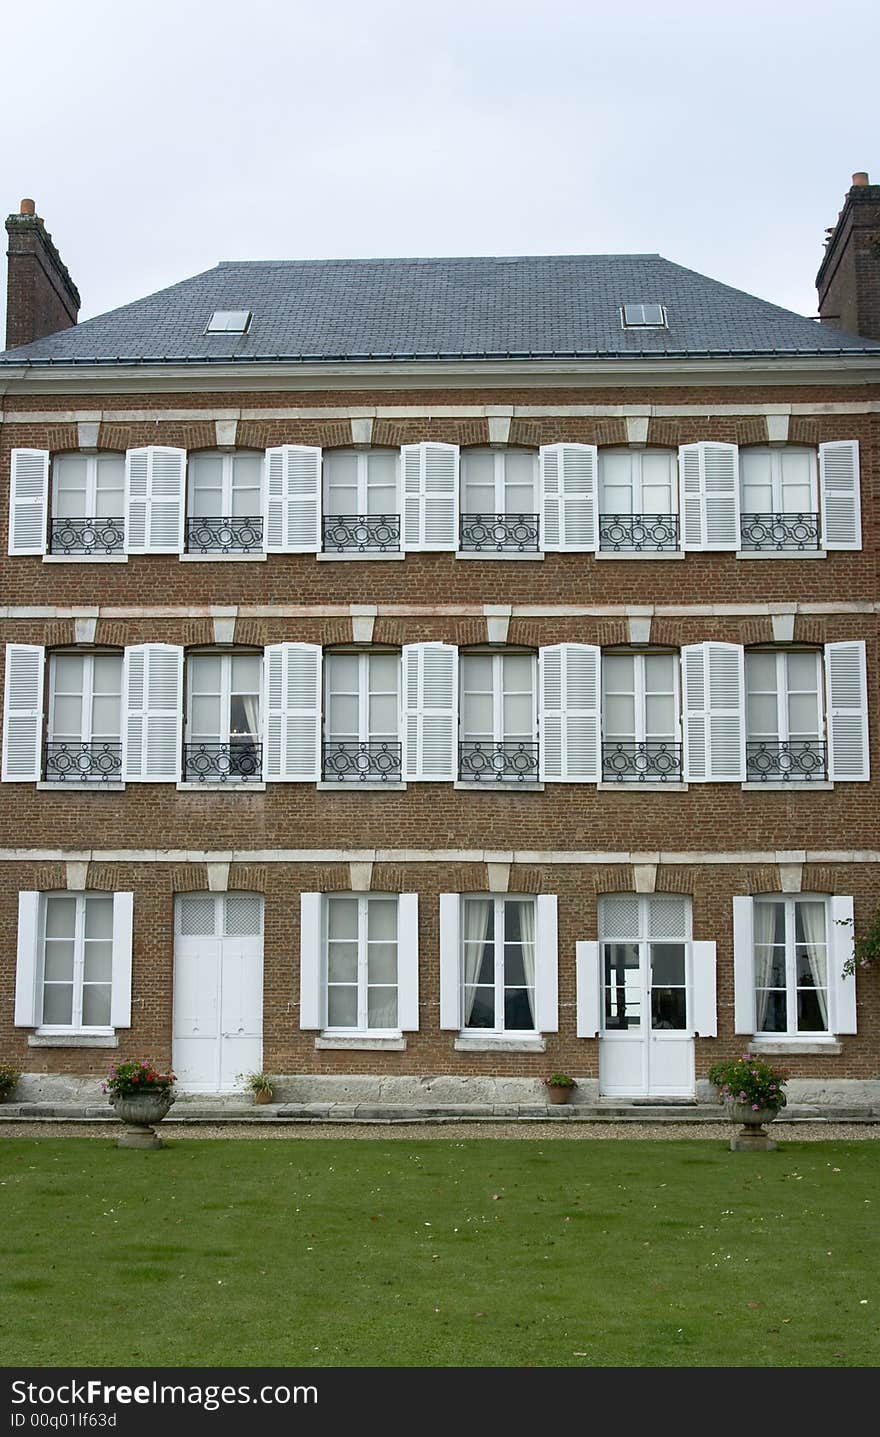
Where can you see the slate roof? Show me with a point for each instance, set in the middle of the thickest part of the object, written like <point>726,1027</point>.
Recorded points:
<point>564,306</point>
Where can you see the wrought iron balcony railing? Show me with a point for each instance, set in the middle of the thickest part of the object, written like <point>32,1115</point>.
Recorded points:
<point>635,533</point>
<point>87,536</point>
<point>238,535</point>
<point>786,760</point>
<point>650,761</point>
<point>512,762</point>
<point>779,531</point>
<point>501,533</point>
<point>237,762</point>
<point>361,533</point>
<point>96,762</point>
<point>376,761</point>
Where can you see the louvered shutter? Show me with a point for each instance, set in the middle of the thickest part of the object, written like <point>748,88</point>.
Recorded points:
<point>28,500</point>
<point>839,495</point>
<point>311,961</point>
<point>430,718</point>
<point>840,950</point>
<point>450,950</point>
<point>709,495</point>
<point>292,726</point>
<point>293,499</point>
<point>155,490</point>
<point>704,1018</point>
<point>743,966</point>
<point>23,713</point>
<point>570,696</point>
<point>26,963</point>
<point>546,964</point>
<point>430,496</point>
<point>846,696</point>
<point>589,989</point>
<point>570,496</point>
<point>152,688</point>
<point>714,712</point>
<point>120,992</point>
<point>408,963</point>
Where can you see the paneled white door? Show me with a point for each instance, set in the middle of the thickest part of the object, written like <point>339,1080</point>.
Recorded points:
<point>218,990</point>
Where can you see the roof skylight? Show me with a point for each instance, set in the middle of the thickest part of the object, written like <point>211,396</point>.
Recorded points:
<point>643,316</point>
<point>229,321</point>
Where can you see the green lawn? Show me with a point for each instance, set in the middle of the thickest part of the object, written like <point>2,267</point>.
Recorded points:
<point>438,1253</point>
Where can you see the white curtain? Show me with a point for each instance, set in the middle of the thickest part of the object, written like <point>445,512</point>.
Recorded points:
<point>527,932</point>
<point>764,927</point>
<point>813,919</point>
<point>251,703</point>
<point>477,912</point>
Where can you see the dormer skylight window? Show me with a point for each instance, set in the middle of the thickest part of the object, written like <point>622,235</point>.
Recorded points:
<point>229,321</point>
<point>643,316</point>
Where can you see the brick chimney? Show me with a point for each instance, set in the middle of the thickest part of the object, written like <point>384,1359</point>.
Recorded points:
<point>41,297</point>
<point>849,276</point>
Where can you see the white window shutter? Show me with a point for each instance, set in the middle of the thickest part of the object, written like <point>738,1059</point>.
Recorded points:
<point>293,499</point>
<point>430,712</point>
<point>570,497</point>
<point>846,697</point>
<point>120,992</point>
<point>589,989</point>
<point>430,496</point>
<point>709,498</point>
<point>408,963</point>
<point>840,949</point>
<point>450,961</point>
<point>546,964</point>
<point>28,500</point>
<point>570,697</point>
<point>155,491</point>
<point>311,960</point>
<point>743,966</point>
<point>713,683</point>
<point>27,1008</point>
<point>23,713</point>
<point>839,495</point>
<point>152,697</point>
<point>292,724</point>
<point>704,1020</point>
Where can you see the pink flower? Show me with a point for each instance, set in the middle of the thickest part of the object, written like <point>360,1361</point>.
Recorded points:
<point>755,1108</point>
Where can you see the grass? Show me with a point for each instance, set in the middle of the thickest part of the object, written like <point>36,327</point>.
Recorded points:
<point>438,1254</point>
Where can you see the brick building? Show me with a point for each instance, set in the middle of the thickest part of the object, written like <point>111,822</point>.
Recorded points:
<point>422,676</point>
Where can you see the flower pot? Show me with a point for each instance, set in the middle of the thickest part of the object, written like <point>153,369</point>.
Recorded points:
<point>264,1095</point>
<point>751,1137</point>
<point>139,1111</point>
<point>556,1094</point>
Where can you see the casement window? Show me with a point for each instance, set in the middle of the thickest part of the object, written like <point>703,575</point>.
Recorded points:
<point>498,718</point>
<point>641,736</point>
<point>789,955</point>
<point>785,732</point>
<point>779,499</point>
<point>87,504</point>
<point>498,964</point>
<point>225,503</point>
<point>362,718</point>
<point>499,501</point>
<point>361,501</point>
<point>359,963</point>
<point>638,501</point>
<point>73,972</point>
<point>84,741</point>
<point>223,723</point>
<point>643,316</point>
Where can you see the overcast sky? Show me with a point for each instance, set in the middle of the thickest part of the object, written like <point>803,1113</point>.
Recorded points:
<point>160,139</point>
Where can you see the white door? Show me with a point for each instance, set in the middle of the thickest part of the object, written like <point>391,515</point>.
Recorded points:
<point>218,990</point>
<point>646,1046</point>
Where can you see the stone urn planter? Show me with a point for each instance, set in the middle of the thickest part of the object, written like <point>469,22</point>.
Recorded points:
<point>751,1137</point>
<point>140,1112</point>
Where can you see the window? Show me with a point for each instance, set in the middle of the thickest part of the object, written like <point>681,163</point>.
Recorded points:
<point>791,966</point>
<point>640,718</point>
<point>362,963</point>
<point>498,964</point>
<point>225,503</point>
<point>85,735</point>
<point>643,316</point>
<point>77,945</point>
<point>498,723</point>
<point>498,501</point>
<point>638,500</point>
<point>362,717</point>
<point>222,742</point>
<point>229,321</point>
<point>644,962</point>
<point>361,505</point>
<point>784,728</point>
<point>88,504</point>
<point>780,509</point>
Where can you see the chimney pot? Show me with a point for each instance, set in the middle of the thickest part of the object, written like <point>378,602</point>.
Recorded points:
<point>861,178</point>
<point>28,208</point>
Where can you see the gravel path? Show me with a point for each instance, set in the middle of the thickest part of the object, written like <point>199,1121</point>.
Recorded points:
<point>531,1129</point>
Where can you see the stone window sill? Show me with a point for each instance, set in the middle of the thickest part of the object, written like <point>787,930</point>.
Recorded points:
<point>325,786</point>
<point>73,1040</point>
<point>791,787</point>
<point>222,558</point>
<point>327,1042</point>
<point>781,554</point>
<point>636,787</point>
<point>479,554</point>
<point>796,1046</point>
<point>83,786</point>
<point>359,558</point>
<point>469,1044</point>
<point>512,787</point>
<point>85,558</point>
<point>663,554</point>
<point>237,788</point>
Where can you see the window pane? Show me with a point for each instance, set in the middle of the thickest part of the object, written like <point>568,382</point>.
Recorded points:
<point>342,717</point>
<point>382,1007</point>
<point>772,1005</point>
<point>204,673</point>
<point>757,489</point>
<point>382,963</point>
<point>615,482</point>
<point>99,918</point>
<point>479,1007</point>
<point>668,1008</point>
<point>658,483</point>
<point>246,669</point>
<point>659,716</point>
<point>382,482</point>
<point>206,721</point>
<point>110,486</point>
<point>518,1010</point>
<point>342,962</point>
<point>519,482</point>
<point>247,474</point>
<point>478,481</point>
<point>342,918</point>
<point>812,1011</point>
<point>340,481</point>
<point>60,917</point>
<point>58,964</point>
<point>96,1005</point>
<point>97,961</point>
<point>382,920</point>
<point>342,1008</point>
<point>69,473</point>
<point>67,718</point>
<point>668,964</point>
<point>623,985</point>
<point>206,485</point>
<point>58,1003</point>
<point>796,466</point>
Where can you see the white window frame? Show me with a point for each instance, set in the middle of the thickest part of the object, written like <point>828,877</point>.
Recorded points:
<point>643,939</point>
<point>776,453</point>
<point>227,480</point>
<point>498,694</point>
<point>636,477</point>
<point>500,477</point>
<point>364,690</point>
<point>91,499</point>
<point>640,692</point>
<point>225,695</point>
<point>498,900</point>
<point>783,692</point>
<point>362,1030</point>
<point>627,323</point>
<point>229,321</point>
<point>87,693</point>
<point>76,1025</point>
<point>792,1033</point>
<point>362,478</point>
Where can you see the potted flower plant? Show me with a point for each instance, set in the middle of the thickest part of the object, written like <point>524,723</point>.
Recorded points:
<point>9,1076</point>
<point>560,1087</point>
<point>260,1085</point>
<point>141,1095</point>
<point>753,1092</point>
